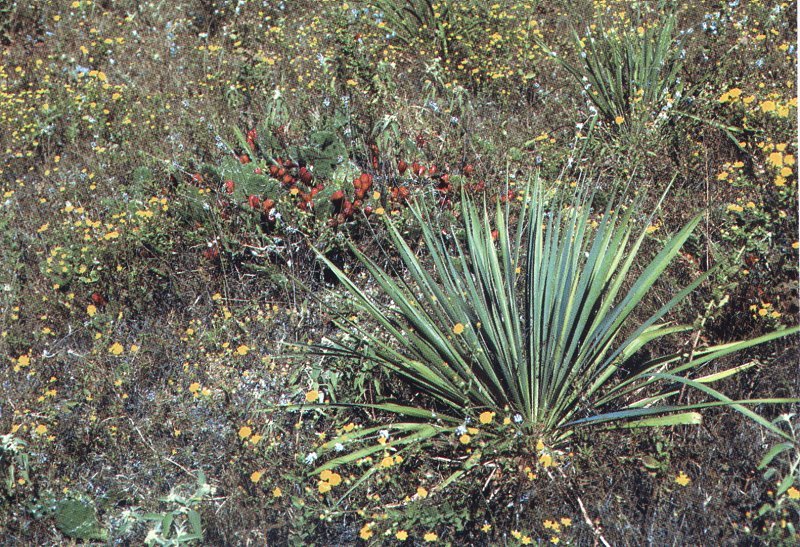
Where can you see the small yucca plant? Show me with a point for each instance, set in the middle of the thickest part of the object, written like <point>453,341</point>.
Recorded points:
<point>417,21</point>
<point>631,76</point>
<point>532,321</point>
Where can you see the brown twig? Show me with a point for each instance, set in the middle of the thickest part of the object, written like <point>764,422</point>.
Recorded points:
<point>598,534</point>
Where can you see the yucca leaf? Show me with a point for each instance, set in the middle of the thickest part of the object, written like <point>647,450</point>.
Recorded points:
<point>683,418</point>
<point>418,433</point>
<point>736,405</point>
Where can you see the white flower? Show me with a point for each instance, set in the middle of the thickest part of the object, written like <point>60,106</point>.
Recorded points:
<point>338,447</point>
<point>384,433</point>
<point>311,458</point>
<point>517,418</point>
<point>460,430</point>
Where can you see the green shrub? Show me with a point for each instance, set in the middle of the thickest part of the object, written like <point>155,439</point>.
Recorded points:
<point>180,523</point>
<point>14,461</point>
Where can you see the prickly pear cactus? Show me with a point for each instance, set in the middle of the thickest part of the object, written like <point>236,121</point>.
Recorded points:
<point>77,519</point>
<point>325,151</point>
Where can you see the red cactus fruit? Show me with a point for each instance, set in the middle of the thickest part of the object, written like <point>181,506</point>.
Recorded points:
<point>305,175</point>
<point>400,193</point>
<point>252,135</point>
<point>98,299</point>
<point>347,209</point>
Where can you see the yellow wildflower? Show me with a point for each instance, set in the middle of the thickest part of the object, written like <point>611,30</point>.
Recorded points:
<point>366,531</point>
<point>768,106</point>
<point>776,159</point>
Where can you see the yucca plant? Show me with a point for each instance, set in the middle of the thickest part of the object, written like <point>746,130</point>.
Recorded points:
<point>530,318</point>
<point>632,76</point>
<point>417,21</point>
<point>445,25</point>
